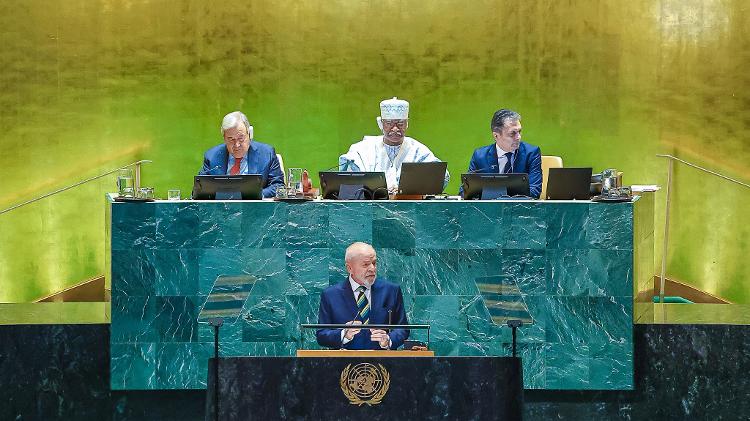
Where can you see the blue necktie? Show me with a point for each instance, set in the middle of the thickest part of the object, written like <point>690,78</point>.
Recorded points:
<point>363,306</point>
<point>509,163</point>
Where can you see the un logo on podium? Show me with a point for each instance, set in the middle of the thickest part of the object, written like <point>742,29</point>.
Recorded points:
<point>365,383</point>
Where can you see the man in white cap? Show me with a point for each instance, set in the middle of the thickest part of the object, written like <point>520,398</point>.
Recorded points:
<point>388,151</point>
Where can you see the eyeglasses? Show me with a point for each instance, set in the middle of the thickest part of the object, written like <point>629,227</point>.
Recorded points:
<point>398,123</point>
<point>232,140</point>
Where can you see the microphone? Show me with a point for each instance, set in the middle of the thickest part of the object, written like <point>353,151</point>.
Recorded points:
<point>491,167</point>
<point>337,166</point>
<point>212,170</point>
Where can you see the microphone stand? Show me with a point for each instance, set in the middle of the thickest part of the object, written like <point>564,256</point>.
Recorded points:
<point>514,324</point>
<point>216,322</point>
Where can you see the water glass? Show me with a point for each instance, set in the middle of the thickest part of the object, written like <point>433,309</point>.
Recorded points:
<point>146,193</point>
<point>281,192</point>
<point>125,182</point>
<point>294,182</point>
<point>173,194</point>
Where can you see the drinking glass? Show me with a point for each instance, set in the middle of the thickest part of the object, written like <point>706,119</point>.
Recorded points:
<point>125,182</point>
<point>173,194</point>
<point>146,192</point>
<point>294,182</point>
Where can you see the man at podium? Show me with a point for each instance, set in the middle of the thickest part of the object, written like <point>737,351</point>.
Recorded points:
<point>360,300</point>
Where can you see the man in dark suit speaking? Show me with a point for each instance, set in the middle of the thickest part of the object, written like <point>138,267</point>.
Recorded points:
<point>360,300</point>
<point>241,154</point>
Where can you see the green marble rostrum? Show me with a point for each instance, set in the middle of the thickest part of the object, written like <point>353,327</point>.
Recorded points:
<point>464,267</point>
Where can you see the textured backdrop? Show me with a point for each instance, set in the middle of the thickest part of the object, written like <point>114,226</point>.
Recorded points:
<point>89,85</point>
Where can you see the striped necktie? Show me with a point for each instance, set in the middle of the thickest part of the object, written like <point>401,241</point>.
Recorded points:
<point>509,163</point>
<point>363,306</point>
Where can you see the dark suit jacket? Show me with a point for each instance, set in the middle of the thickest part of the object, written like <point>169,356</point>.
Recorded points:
<point>261,159</point>
<point>528,160</point>
<point>338,305</point>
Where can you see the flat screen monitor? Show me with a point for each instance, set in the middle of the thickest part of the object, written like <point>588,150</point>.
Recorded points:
<point>495,186</point>
<point>422,178</point>
<point>228,187</point>
<point>569,184</point>
<point>353,185</point>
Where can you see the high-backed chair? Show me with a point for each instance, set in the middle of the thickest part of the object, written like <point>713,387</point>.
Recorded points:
<point>548,161</point>
<point>281,165</point>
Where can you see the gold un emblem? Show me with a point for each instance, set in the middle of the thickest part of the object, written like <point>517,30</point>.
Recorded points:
<point>365,383</point>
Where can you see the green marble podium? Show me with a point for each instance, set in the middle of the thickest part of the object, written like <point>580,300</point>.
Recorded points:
<point>569,269</point>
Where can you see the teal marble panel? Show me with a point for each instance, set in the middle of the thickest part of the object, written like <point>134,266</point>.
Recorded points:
<point>436,225</point>
<point>567,226</point>
<point>438,273</point>
<point>177,318</point>
<point>220,225</point>
<point>133,366</point>
<point>610,321</point>
<point>177,225</point>
<point>567,320</point>
<point>480,226</point>
<point>464,268</point>
<point>136,319</point>
<point>133,272</point>
<point>610,226</point>
<point>307,226</point>
<point>301,309</point>
<point>133,225</point>
<point>611,366</point>
<point>181,365</point>
<point>264,319</point>
<point>264,225</point>
<point>527,269</point>
<point>393,226</point>
<point>567,367</point>
<point>178,272</point>
<point>349,222</point>
<point>525,226</point>
<point>398,266</point>
<point>308,270</point>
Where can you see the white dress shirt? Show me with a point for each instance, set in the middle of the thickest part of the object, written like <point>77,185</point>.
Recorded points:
<point>501,159</point>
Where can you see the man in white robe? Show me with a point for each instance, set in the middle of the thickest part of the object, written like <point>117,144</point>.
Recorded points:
<point>388,151</point>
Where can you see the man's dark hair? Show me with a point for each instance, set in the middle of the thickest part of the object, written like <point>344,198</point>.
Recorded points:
<point>501,117</point>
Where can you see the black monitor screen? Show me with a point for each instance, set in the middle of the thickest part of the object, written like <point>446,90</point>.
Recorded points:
<point>494,186</point>
<point>228,187</point>
<point>356,185</point>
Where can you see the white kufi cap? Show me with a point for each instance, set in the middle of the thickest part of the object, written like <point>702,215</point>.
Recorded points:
<point>394,109</point>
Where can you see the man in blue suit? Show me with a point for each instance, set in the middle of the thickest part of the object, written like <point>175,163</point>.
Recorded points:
<point>508,154</point>
<point>241,154</point>
<point>360,300</point>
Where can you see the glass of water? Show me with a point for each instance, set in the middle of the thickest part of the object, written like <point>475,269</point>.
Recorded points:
<point>173,194</point>
<point>294,182</point>
<point>125,182</point>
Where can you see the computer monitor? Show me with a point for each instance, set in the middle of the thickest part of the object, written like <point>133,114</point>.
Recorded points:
<point>422,178</point>
<point>353,185</point>
<point>568,184</point>
<point>228,187</point>
<point>495,186</point>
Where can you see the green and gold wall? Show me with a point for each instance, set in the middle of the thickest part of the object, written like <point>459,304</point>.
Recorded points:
<point>87,86</point>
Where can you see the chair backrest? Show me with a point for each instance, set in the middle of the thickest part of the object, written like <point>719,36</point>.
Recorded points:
<point>548,161</point>
<point>281,165</point>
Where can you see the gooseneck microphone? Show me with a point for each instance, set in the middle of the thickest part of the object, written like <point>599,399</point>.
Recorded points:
<point>337,166</point>
<point>491,167</point>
